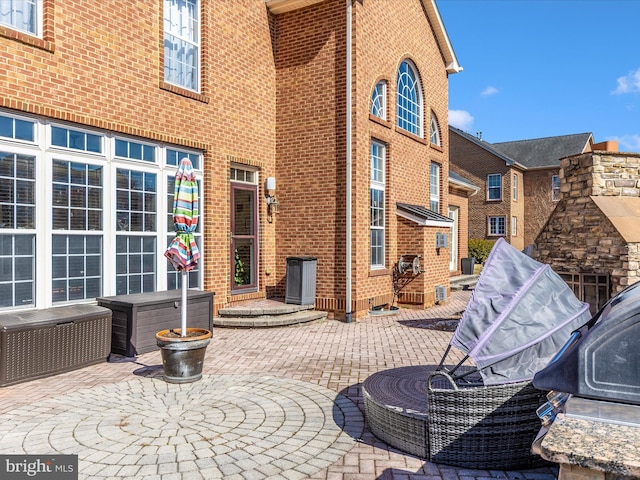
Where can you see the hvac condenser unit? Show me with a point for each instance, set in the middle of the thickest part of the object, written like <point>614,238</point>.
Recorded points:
<point>441,293</point>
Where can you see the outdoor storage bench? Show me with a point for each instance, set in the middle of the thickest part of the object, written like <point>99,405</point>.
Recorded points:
<point>138,317</point>
<point>40,343</point>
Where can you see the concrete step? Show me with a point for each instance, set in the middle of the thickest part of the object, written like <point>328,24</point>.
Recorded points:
<point>258,309</point>
<point>268,320</point>
<point>463,282</point>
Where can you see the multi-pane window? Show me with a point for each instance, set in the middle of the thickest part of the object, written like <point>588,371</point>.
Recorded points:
<point>435,132</point>
<point>76,139</point>
<point>17,216</point>
<point>496,225</point>
<point>379,100</point>
<point>16,129</point>
<point>555,188</point>
<point>494,186</point>
<point>182,43</point>
<point>409,100</point>
<point>515,187</point>
<point>83,213</point>
<point>377,204</point>
<point>23,15</point>
<point>136,207</point>
<point>514,226</point>
<point>434,187</point>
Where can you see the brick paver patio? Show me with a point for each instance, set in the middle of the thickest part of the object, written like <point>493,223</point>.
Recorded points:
<point>267,407</point>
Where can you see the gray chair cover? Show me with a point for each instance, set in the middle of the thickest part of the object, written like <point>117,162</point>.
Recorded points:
<point>519,316</point>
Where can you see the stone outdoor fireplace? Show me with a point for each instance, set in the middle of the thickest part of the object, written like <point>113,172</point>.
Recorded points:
<point>592,236</point>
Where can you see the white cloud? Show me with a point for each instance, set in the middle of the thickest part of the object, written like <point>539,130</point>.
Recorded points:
<point>628,143</point>
<point>460,119</point>
<point>489,91</point>
<point>628,84</point>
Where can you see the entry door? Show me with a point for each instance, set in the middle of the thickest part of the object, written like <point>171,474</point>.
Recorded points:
<point>453,251</point>
<point>244,238</point>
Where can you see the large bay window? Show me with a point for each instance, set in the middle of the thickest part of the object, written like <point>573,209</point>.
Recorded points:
<point>83,213</point>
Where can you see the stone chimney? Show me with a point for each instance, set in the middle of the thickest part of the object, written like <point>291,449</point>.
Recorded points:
<point>600,173</point>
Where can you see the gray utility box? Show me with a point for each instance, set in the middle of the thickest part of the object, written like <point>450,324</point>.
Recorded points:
<point>138,317</point>
<point>41,343</point>
<point>301,280</point>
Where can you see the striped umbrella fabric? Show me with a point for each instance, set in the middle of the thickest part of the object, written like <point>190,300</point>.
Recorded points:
<point>183,252</point>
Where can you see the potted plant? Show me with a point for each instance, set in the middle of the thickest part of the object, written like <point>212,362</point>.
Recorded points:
<point>183,349</point>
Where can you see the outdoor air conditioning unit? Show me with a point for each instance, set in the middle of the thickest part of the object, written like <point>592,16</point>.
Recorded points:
<point>441,293</point>
<point>442,240</point>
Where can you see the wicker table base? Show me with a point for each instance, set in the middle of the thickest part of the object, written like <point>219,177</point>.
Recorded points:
<point>480,427</point>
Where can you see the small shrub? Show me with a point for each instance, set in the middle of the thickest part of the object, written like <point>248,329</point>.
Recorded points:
<point>480,248</point>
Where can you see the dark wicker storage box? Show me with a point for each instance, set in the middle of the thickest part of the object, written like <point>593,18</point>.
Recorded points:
<point>137,318</point>
<point>40,343</point>
<point>486,427</point>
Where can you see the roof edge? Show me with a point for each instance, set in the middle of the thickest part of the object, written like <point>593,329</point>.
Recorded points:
<point>450,58</point>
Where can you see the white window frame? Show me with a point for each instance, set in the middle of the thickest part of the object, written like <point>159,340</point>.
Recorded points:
<point>409,103</point>
<point>13,11</point>
<point>497,226</point>
<point>43,232</point>
<point>435,131</point>
<point>555,188</point>
<point>182,29</point>
<point>377,187</point>
<point>515,187</point>
<point>514,226</point>
<point>494,188</point>
<point>434,187</point>
<point>379,100</point>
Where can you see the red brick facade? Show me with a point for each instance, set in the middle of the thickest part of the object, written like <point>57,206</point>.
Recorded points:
<point>273,99</point>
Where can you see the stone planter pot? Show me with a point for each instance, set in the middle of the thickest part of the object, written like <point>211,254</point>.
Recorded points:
<point>183,357</point>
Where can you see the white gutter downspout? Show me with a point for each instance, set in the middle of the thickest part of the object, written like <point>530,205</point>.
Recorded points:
<point>348,312</point>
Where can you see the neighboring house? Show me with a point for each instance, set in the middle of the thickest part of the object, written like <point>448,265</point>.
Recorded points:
<point>341,106</point>
<point>519,182</point>
<point>592,238</point>
<point>460,189</point>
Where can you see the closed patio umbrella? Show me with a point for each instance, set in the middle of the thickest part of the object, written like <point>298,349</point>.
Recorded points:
<point>183,252</point>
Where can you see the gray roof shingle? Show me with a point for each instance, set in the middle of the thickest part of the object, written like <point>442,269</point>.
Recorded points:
<point>544,152</point>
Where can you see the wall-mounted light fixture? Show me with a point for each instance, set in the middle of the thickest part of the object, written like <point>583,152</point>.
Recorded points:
<point>272,201</point>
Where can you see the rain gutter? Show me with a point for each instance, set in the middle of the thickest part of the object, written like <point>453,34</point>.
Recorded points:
<point>349,166</point>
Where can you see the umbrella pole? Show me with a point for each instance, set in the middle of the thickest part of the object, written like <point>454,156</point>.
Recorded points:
<point>183,305</point>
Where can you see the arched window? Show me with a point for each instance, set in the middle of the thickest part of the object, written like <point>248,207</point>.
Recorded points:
<point>435,132</point>
<point>409,104</point>
<point>379,100</point>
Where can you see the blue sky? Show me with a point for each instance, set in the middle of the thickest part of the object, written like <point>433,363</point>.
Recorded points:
<point>541,68</point>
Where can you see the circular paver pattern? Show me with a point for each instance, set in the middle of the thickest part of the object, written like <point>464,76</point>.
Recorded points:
<point>223,426</point>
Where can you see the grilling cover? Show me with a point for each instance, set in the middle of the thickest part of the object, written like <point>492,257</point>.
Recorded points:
<point>604,363</point>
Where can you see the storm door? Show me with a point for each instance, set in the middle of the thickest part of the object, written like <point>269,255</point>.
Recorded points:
<point>244,237</point>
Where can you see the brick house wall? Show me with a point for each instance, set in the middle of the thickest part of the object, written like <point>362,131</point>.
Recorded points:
<point>475,164</point>
<point>272,100</point>
<point>578,236</point>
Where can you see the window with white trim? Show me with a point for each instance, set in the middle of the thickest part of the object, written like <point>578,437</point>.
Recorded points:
<point>514,226</point>
<point>435,131</point>
<point>434,187</point>
<point>409,100</point>
<point>22,15</point>
<point>379,100</point>
<point>497,226</point>
<point>494,186</point>
<point>182,43</point>
<point>377,204</point>
<point>515,187</point>
<point>555,188</point>
<point>83,213</point>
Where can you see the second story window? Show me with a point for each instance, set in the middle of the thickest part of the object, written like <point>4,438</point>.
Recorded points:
<point>494,186</point>
<point>379,100</point>
<point>23,15</point>
<point>435,133</point>
<point>555,188</point>
<point>515,187</point>
<point>409,100</point>
<point>182,43</point>
<point>434,188</point>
